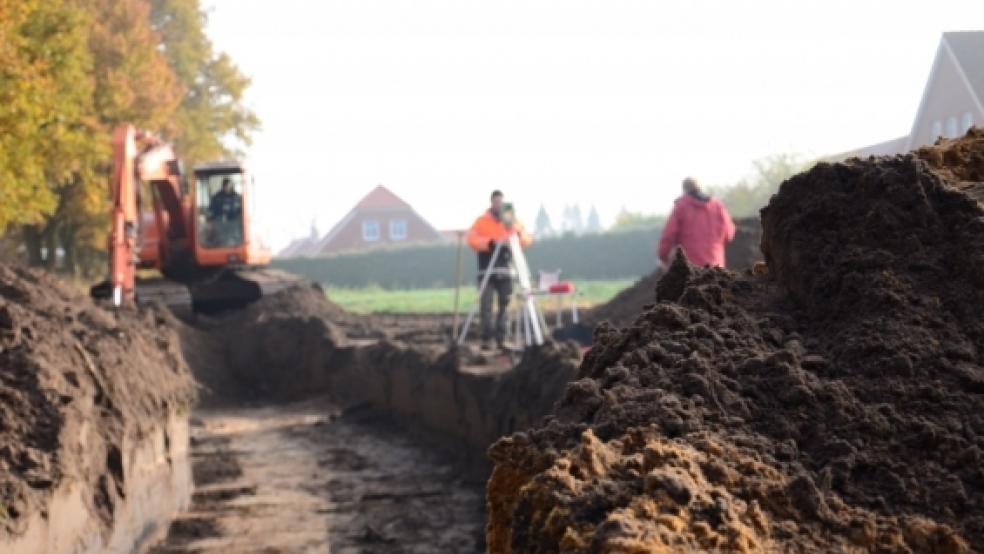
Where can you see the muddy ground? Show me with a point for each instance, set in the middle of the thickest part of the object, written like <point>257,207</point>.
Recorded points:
<point>306,477</point>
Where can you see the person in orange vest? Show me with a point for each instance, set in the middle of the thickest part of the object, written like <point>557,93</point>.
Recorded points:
<point>491,228</point>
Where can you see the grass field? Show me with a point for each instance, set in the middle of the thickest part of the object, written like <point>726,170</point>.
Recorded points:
<point>441,300</point>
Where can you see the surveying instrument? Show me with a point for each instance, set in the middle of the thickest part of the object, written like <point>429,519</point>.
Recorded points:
<point>531,319</point>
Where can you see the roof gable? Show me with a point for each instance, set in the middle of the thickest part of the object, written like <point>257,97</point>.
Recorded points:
<point>962,54</point>
<point>968,51</point>
<point>382,198</point>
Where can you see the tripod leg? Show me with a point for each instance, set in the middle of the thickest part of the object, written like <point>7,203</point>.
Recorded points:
<point>481,290</point>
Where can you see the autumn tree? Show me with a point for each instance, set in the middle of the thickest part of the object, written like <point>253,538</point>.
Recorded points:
<point>131,82</point>
<point>46,121</point>
<point>212,120</point>
<point>71,70</point>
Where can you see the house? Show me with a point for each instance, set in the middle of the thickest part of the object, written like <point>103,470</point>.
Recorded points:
<point>380,219</point>
<point>952,102</point>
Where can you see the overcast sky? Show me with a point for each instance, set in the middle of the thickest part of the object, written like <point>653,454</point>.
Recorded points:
<point>607,103</point>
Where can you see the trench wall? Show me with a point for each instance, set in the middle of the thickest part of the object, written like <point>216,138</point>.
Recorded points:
<point>288,358</point>
<point>157,484</point>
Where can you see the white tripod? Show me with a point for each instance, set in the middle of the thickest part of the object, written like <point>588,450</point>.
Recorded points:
<point>530,311</point>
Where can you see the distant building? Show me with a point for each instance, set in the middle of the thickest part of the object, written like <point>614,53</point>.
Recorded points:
<point>952,102</point>
<point>303,246</point>
<point>380,219</point>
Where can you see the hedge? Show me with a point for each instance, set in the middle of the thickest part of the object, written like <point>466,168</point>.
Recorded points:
<point>612,255</point>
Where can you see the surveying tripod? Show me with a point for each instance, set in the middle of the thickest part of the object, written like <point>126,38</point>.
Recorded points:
<point>532,319</point>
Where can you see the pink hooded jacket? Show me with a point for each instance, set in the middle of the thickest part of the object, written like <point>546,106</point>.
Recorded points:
<point>701,228</point>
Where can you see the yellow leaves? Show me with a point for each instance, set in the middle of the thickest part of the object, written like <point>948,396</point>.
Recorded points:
<point>72,69</point>
<point>45,94</point>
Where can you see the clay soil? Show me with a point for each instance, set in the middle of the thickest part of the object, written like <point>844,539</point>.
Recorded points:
<point>834,404</point>
<point>76,379</point>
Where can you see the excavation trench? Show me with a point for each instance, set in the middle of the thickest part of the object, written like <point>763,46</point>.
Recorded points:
<point>321,428</point>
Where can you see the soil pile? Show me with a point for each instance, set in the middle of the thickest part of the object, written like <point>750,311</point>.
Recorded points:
<point>741,254</point>
<point>835,404</point>
<point>76,379</point>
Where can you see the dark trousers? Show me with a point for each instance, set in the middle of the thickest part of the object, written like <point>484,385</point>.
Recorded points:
<point>502,286</point>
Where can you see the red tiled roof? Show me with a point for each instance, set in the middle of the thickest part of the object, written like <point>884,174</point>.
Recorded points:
<point>381,198</point>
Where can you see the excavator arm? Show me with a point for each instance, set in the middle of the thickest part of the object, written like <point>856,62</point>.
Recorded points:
<point>141,157</point>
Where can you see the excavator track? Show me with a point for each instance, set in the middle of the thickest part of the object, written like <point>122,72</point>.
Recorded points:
<point>224,289</point>
<point>233,288</point>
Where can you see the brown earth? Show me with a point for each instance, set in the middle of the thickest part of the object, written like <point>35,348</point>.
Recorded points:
<point>75,379</point>
<point>740,254</point>
<point>256,364</point>
<point>834,404</point>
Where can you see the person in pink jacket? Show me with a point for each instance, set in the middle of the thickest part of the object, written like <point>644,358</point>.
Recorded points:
<point>700,225</point>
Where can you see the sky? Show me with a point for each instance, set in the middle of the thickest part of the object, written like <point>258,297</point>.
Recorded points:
<point>605,103</point>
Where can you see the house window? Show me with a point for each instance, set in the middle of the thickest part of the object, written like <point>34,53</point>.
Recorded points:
<point>937,131</point>
<point>398,229</point>
<point>370,230</point>
<point>951,127</point>
<point>966,123</point>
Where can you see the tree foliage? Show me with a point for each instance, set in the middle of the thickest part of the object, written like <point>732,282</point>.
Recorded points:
<point>629,221</point>
<point>749,195</point>
<point>71,70</point>
<point>212,120</point>
<point>45,106</point>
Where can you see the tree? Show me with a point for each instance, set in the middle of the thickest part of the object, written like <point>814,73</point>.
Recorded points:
<point>628,221</point>
<point>211,120</point>
<point>131,83</point>
<point>573,222</point>
<point>594,221</point>
<point>544,227</point>
<point>746,197</point>
<point>45,102</point>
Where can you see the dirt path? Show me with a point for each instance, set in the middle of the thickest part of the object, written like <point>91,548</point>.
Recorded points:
<point>304,478</point>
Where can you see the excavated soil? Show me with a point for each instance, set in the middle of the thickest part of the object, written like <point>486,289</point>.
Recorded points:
<point>75,380</point>
<point>834,404</point>
<point>740,254</point>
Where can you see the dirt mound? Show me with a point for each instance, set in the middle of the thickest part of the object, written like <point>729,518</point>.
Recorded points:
<point>625,307</point>
<point>742,253</point>
<point>75,380</point>
<point>622,310</point>
<point>836,404</point>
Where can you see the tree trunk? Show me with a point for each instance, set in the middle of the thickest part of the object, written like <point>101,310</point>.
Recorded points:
<point>50,236</point>
<point>67,236</point>
<point>32,245</point>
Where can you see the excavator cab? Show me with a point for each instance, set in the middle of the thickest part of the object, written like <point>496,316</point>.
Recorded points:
<point>223,195</point>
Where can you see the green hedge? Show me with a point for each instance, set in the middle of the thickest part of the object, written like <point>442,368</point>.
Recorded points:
<point>612,255</point>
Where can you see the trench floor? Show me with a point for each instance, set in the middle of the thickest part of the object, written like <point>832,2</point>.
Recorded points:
<point>309,478</point>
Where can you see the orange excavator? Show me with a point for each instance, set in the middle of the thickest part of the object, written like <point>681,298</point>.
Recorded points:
<point>196,235</point>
